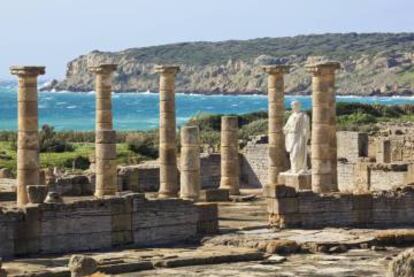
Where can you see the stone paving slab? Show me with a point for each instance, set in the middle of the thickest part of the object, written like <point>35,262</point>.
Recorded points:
<point>363,262</point>
<point>131,260</point>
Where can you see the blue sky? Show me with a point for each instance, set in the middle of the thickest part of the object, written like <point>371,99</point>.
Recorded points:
<point>52,32</point>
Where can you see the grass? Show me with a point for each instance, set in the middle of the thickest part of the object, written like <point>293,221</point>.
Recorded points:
<point>64,160</point>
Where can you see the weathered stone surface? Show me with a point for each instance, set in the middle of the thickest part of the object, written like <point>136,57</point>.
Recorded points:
<point>402,265</point>
<point>323,126</point>
<point>37,194</point>
<point>297,181</point>
<point>81,265</point>
<point>105,137</point>
<point>230,167</point>
<point>28,149</point>
<point>168,161</point>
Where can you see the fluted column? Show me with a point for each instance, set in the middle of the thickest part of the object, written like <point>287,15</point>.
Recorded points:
<point>28,128</point>
<point>229,155</point>
<point>105,136</point>
<point>190,163</point>
<point>276,89</point>
<point>323,142</point>
<point>168,153</point>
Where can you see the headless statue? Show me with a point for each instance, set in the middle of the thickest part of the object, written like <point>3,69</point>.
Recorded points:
<point>297,130</point>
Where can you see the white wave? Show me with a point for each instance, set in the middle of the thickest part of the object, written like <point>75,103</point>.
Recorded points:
<point>71,107</point>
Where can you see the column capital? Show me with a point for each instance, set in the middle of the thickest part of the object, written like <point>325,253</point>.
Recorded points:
<point>276,69</point>
<point>169,69</point>
<point>106,68</point>
<point>323,67</point>
<point>27,71</point>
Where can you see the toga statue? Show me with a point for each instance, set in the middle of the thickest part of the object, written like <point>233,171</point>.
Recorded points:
<point>297,130</point>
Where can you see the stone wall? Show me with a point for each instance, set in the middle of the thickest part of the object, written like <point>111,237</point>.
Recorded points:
<point>149,173</point>
<point>352,145</point>
<point>254,163</point>
<point>99,224</point>
<point>288,208</point>
<point>346,177</point>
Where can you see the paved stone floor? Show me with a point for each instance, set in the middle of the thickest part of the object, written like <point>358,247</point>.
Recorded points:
<point>362,262</point>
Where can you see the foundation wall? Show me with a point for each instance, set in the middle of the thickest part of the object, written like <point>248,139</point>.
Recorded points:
<point>99,224</point>
<point>290,209</point>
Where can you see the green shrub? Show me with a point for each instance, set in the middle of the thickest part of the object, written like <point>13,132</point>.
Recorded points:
<point>50,143</point>
<point>254,128</point>
<point>79,162</point>
<point>145,143</point>
<point>210,138</point>
<point>357,118</point>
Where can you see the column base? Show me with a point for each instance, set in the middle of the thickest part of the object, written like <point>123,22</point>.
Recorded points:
<point>165,195</point>
<point>299,181</point>
<point>214,195</point>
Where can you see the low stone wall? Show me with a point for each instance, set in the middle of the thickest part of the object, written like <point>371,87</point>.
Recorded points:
<point>73,185</point>
<point>99,224</point>
<point>288,208</point>
<point>363,176</point>
<point>149,173</point>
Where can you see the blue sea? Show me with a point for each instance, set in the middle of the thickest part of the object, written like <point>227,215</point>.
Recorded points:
<point>140,111</point>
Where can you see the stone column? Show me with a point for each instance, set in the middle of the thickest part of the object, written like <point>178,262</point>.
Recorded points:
<point>229,155</point>
<point>105,136</point>
<point>190,163</point>
<point>276,146</point>
<point>168,152</point>
<point>323,141</point>
<point>28,128</point>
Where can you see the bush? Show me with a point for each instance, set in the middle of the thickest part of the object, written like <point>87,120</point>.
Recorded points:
<point>357,118</point>
<point>254,128</point>
<point>79,162</point>
<point>145,144</point>
<point>50,143</point>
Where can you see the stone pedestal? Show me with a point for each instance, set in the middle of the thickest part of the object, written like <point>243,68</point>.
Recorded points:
<point>105,137</point>
<point>214,195</point>
<point>276,87</point>
<point>323,141</point>
<point>299,181</point>
<point>28,127</point>
<point>190,163</point>
<point>229,155</point>
<point>168,153</point>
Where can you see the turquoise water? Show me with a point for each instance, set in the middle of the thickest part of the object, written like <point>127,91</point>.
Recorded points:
<point>139,111</point>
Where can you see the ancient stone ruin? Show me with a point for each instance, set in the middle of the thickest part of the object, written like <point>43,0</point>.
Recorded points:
<point>351,179</point>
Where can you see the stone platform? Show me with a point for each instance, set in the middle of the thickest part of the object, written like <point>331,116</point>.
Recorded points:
<point>289,208</point>
<point>92,224</point>
<point>299,181</point>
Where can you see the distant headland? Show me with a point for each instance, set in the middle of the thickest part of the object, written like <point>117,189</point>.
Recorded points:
<point>372,64</point>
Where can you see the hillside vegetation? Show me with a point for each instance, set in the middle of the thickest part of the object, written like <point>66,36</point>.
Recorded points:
<point>134,147</point>
<point>376,63</point>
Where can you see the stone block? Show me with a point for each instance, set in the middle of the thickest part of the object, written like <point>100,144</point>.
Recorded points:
<point>298,181</point>
<point>279,191</point>
<point>207,218</point>
<point>283,206</point>
<point>214,195</point>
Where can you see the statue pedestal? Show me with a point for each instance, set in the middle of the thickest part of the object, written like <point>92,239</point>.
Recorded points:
<point>299,181</point>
